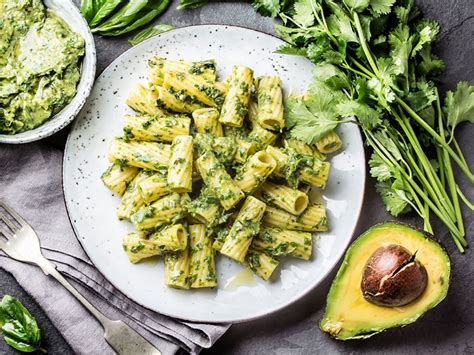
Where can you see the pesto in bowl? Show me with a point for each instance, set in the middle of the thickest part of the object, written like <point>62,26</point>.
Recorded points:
<point>43,47</point>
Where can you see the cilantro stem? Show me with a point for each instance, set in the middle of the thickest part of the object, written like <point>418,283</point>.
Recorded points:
<point>459,151</point>
<point>348,67</point>
<point>441,163</point>
<point>384,154</point>
<point>363,43</point>
<point>438,138</point>
<point>429,179</point>
<point>449,170</point>
<point>361,67</point>
<point>426,218</point>
<point>468,203</point>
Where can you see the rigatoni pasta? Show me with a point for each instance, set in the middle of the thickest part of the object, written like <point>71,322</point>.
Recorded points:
<point>236,103</point>
<point>202,271</point>
<point>180,168</point>
<point>270,103</point>
<point>206,169</point>
<point>118,176</point>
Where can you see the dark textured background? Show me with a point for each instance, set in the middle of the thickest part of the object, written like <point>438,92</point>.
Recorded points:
<point>447,330</point>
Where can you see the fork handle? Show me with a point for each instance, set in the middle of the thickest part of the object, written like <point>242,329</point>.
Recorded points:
<point>124,339</point>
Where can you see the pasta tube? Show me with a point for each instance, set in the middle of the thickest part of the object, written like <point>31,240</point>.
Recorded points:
<point>159,66</point>
<point>146,155</point>
<point>163,129</point>
<point>138,248</point>
<point>218,181</point>
<point>154,187</point>
<point>207,92</point>
<point>132,199</point>
<point>261,264</point>
<point>224,148</point>
<point>255,171</point>
<point>220,238</point>
<point>302,148</point>
<point>276,242</point>
<point>203,269</point>
<point>291,200</point>
<point>244,150</point>
<point>314,219</point>
<point>170,239</point>
<point>243,230</point>
<point>176,101</point>
<point>262,137</point>
<point>180,169</point>
<point>329,143</point>
<point>270,103</point>
<point>177,269</point>
<point>206,120</point>
<point>207,209</point>
<point>145,101</point>
<point>236,103</point>
<point>118,176</point>
<point>253,112</point>
<point>167,209</point>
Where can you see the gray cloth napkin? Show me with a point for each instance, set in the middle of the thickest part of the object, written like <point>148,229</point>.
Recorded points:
<point>31,183</point>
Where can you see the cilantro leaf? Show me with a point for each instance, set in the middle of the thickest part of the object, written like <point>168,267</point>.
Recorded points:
<point>303,13</point>
<point>427,31</point>
<point>407,12</point>
<point>332,76</point>
<point>430,64</point>
<point>366,115</point>
<point>290,50</point>
<point>341,27</point>
<point>357,5</point>
<point>381,7</point>
<point>459,105</point>
<point>267,7</point>
<point>395,200</point>
<point>304,124</point>
<point>400,48</point>
<point>423,97</point>
<point>378,168</point>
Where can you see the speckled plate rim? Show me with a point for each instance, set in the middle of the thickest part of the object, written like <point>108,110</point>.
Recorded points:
<point>257,315</point>
<point>71,15</point>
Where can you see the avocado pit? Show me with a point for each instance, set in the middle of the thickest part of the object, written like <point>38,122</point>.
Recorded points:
<point>392,277</point>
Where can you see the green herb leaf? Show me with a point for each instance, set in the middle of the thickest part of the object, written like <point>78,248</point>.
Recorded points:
<point>366,115</point>
<point>104,9</point>
<point>19,328</point>
<point>191,4</point>
<point>381,6</point>
<point>357,5</point>
<point>395,200</point>
<point>124,16</point>
<point>290,50</point>
<point>427,30</point>
<point>423,97</point>
<point>378,168</point>
<point>401,47</point>
<point>87,9</point>
<point>150,32</point>
<point>459,105</point>
<point>303,13</point>
<point>267,7</point>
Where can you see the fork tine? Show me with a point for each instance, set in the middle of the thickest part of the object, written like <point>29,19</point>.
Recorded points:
<point>9,223</point>
<point>12,213</point>
<point>6,233</point>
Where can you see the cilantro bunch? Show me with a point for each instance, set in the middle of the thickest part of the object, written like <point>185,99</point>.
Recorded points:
<point>375,67</point>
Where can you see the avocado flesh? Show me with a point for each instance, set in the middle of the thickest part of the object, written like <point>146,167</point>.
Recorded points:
<point>349,316</point>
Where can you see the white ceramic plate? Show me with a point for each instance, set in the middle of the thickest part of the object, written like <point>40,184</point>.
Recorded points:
<point>92,207</point>
<point>71,15</point>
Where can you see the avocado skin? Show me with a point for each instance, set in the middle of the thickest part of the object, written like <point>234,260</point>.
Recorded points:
<point>336,326</point>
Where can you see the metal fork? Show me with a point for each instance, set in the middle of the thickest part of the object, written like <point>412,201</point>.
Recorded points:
<point>22,243</point>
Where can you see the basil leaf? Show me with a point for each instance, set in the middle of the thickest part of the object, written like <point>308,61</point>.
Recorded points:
<point>18,326</point>
<point>87,9</point>
<point>150,32</point>
<point>104,9</point>
<point>149,12</point>
<point>122,17</point>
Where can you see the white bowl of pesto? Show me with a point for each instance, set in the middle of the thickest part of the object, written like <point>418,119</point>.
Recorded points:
<point>46,80</point>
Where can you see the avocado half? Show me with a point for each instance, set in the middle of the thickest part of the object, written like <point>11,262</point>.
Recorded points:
<point>349,316</point>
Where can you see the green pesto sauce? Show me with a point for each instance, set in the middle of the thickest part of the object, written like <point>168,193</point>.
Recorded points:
<point>39,64</point>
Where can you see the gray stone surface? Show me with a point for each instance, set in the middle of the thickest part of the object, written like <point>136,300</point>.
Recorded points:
<point>446,330</point>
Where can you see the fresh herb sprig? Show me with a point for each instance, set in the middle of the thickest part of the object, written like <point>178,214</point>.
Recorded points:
<point>117,17</point>
<point>375,67</point>
<point>18,326</point>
